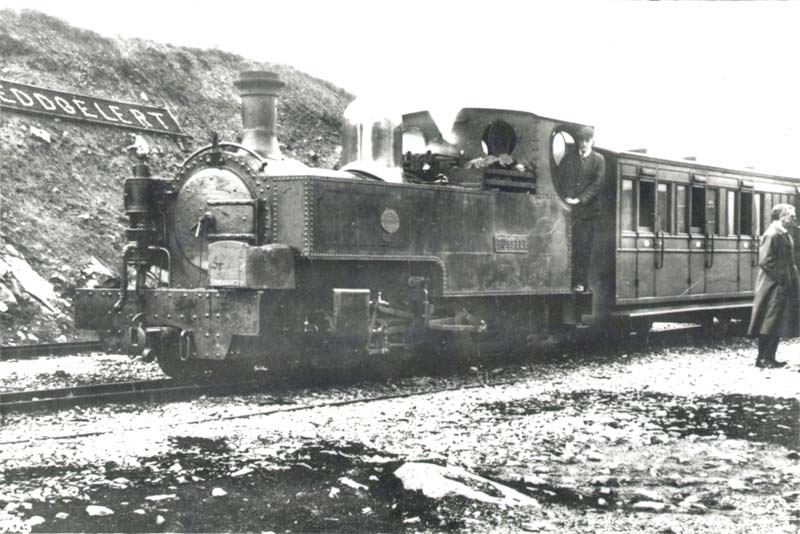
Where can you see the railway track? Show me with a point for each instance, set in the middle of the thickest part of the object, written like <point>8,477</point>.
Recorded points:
<point>122,392</point>
<point>167,390</point>
<point>280,404</point>
<point>21,352</point>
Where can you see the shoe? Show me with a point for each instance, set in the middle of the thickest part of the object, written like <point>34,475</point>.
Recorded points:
<point>761,364</point>
<point>579,288</point>
<point>776,365</point>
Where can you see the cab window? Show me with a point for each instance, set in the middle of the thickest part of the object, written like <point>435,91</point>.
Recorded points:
<point>562,142</point>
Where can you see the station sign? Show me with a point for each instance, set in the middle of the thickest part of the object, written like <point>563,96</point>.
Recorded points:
<point>31,99</point>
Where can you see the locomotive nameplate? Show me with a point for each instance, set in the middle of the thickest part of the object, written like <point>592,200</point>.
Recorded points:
<point>511,243</point>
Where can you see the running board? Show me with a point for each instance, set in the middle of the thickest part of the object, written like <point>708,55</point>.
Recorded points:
<point>674,310</point>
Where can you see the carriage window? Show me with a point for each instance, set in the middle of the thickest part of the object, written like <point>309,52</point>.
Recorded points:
<point>626,203</point>
<point>765,213</point>
<point>646,205</point>
<point>663,219</point>
<point>681,214</point>
<point>698,215</point>
<point>712,201</point>
<point>730,210</point>
<point>746,213</point>
<point>758,209</point>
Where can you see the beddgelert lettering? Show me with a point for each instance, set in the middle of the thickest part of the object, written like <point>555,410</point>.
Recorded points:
<point>30,99</point>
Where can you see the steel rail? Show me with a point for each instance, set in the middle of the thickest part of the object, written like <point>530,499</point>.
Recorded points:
<point>173,390</point>
<point>486,380</point>
<point>122,392</point>
<point>19,352</point>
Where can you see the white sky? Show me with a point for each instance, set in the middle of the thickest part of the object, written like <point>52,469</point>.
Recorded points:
<point>716,80</point>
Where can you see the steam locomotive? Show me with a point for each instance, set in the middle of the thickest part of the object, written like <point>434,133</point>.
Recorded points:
<point>429,234</point>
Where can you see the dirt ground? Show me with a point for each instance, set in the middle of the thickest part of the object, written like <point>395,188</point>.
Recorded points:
<point>667,439</point>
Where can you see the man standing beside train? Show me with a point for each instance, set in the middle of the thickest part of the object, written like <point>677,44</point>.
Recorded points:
<point>776,306</point>
<point>582,176</point>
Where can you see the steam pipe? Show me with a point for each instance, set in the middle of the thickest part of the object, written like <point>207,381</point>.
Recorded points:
<point>123,289</point>
<point>169,262</point>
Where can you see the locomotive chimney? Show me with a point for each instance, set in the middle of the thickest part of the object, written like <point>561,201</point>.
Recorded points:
<point>259,92</point>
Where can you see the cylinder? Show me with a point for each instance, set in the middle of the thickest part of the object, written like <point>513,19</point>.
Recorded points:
<point>259,91</point>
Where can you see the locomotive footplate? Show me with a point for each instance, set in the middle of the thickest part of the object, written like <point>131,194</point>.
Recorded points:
<point>207,318</point>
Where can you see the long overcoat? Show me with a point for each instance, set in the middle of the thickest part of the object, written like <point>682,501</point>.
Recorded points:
<point>776,305</point>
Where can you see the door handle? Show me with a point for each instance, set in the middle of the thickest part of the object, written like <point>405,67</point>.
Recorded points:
<point>709,260</point>
<point>659,252</point>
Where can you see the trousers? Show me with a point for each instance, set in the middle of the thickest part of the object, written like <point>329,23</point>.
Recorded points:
<point>582,240</point>
<point>767,347</point>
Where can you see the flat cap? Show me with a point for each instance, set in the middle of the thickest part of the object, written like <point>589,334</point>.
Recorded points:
<point>586,132</point>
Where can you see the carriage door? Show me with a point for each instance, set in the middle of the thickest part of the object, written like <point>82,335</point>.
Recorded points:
<point>750,209</point>
<point>702,230</point>
<point>721,250</point>
<point>645,234</point>
<point>669,251</point>
<point>655,256</point>
<point>626,238</point>
<point>636,263</point>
